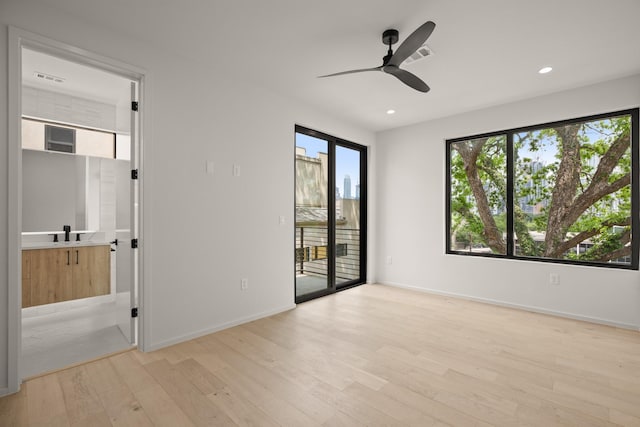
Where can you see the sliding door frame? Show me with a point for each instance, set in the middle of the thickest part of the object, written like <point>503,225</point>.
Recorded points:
<point>332,143</point>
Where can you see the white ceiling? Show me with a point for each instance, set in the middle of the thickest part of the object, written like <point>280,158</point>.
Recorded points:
<point>486,52</point>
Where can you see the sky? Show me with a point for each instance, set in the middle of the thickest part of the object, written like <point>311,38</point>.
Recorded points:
<point>546,152</point>
<point>347,160</point>
<point>548,146</point>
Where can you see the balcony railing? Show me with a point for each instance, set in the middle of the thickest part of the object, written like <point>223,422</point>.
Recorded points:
<point>311,252</point>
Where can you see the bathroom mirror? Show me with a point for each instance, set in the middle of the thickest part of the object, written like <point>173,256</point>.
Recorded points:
<point>66,189</point>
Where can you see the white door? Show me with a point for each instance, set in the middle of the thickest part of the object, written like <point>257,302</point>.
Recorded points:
<point>126,254</point>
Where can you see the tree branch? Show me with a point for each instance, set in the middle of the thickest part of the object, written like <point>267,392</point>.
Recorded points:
<point>599,185</point>
<point>606,254</point>
<point>584,235</point>
<point>567,181</point>
<point>592,195</point>
<point>619,253</point>
<point>568,212</point>
<point>469,151</point>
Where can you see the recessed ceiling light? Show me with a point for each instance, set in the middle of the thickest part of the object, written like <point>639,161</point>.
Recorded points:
<point>391,112</point>
<point>544,70</point>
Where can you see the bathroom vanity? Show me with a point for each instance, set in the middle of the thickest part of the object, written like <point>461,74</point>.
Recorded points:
<point>64,271</point>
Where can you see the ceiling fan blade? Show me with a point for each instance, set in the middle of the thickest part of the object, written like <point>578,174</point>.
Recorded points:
<point>412,43</point>
<point>361,70</point>
<point>407,78</point>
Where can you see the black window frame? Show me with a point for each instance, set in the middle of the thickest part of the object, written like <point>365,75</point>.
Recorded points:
<point>510,252</point>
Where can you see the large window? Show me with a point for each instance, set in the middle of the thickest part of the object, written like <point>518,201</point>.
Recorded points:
<point>560,192</point>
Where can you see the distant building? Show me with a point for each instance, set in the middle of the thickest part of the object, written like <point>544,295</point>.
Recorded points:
<point>533,203</point>
<point>347,187</point>
<point>358,192</point>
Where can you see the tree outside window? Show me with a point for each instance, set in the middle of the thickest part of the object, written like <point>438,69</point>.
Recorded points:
<point>559,192</point>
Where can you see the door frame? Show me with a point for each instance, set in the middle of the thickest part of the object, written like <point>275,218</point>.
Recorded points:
<point>18,39</point>
<point>334,142</point>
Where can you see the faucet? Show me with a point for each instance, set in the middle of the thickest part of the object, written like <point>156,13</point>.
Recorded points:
<point>67,230</point>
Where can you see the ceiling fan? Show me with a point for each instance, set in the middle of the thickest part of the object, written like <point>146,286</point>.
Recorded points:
<point>391,62</point>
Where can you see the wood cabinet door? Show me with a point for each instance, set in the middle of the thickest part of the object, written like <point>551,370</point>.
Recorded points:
<point>26,279</point>
<point>51,275</point>
<point>91,271</point>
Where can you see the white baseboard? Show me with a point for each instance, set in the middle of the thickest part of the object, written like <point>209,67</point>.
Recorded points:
<point>210,330</point>
<point>516,306</point>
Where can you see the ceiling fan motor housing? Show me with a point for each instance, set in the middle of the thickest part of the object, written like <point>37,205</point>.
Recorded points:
<point>390,37</point>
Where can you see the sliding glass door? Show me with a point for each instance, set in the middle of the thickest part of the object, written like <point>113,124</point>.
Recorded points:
<point>348,208</point>
<point>312,207</point>
<point>330,204</point>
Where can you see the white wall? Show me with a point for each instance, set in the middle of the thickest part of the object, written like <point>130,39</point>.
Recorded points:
<point>202,233</point>
<point>411,216</point>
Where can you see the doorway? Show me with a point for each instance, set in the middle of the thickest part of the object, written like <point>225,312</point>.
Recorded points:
<point>330,212</point>
<point>77,211</point>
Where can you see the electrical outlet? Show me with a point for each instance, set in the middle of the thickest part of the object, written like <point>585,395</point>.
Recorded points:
<point>554,278</point>
<point>389,260</point>
<point>236,170</point>
<point>281,220</point>
<point>209,167</point>
<point>244,284</point>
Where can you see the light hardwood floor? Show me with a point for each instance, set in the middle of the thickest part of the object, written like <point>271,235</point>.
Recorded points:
<point>372,355</point>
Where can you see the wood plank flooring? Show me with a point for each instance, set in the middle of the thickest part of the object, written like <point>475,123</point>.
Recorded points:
<point>371,356</point>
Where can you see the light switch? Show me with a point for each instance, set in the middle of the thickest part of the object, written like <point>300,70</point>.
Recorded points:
<point>209,167</point>
<point>236,170</point>
<point>281,220</point>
